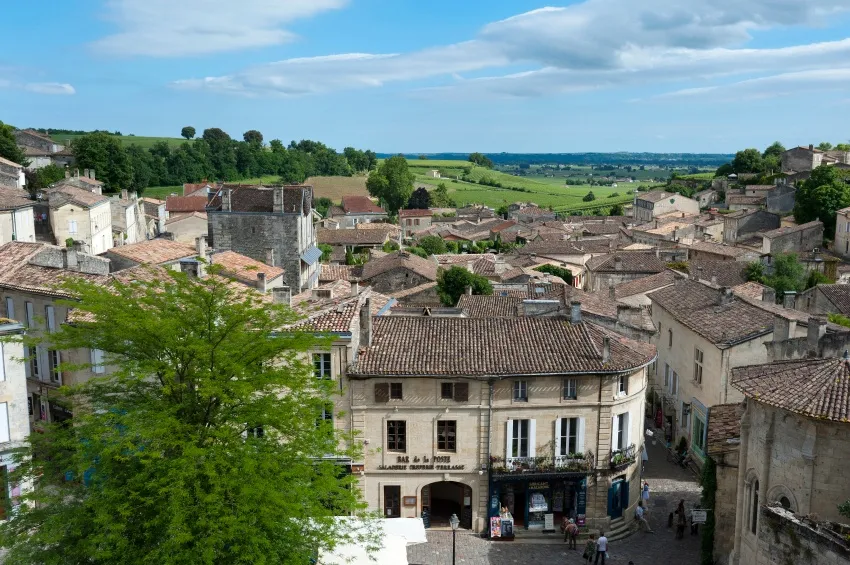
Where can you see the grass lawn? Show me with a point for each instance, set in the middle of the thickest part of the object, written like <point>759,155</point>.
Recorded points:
<point>145,142</point>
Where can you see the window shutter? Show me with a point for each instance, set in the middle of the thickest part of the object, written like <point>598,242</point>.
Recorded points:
<point>382,392</point>
<point>461,392</point>
<point>4,422</point>
<point>30,315</point>
<point>580,436</point>
<point>51,318</point>
<point>559,423</point>
<point>532,438</point>
<point>2,364</point>
<point>10,308</point>
<point>626,437</point>
<point>614,433</point>
<point>509,439</point>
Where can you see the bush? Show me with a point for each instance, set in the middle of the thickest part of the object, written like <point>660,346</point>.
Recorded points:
<point>589,197</point>
<point>433,245</point>
<point>565,274</point>
<point>452,283</point>
<point>614,195</point>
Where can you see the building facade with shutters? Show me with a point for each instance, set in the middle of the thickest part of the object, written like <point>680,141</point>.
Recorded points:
<point>465,415</point>
<point>14,419</point>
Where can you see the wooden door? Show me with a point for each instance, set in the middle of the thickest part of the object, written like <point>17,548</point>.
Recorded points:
<point>392,501</point>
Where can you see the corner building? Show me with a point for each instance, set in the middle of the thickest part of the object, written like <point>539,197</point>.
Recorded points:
<point>463,415</point>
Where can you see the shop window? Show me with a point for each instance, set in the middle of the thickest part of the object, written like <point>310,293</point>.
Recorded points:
<point>396,435</point>
<point>446,435</point>
<point>322,365</point>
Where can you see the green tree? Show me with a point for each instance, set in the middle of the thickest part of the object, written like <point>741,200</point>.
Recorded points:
<point>222,153</point>
<point>45,176</point>
<point>842,147</point>
<point>815,278</point>
<point>187,452</point>
<point>754,272</point>
<point>327,250</point>
<point>789,275</point>
<point>844,509</point>
<point>322,205</point>
<point>502,211</point>
<point>589,197</point>
<point>616,210</point>
<point>105,154</point>
<point>9,146</point>
<point>708,501</point>
<point>188,132</point>
<point>253,136</point>
<point>825,146</point>
<point>357,160</point>
<point>821,196</point>
<point>776,149</point>
<point>392,182</point>
<point>433,245</point>
<point>481,160</point>
<point>452,283</point>
<point>748,161</point>
<point>420,199</point>
<point>440,197</point>
<point>561,272</point>
<point>724,170</point>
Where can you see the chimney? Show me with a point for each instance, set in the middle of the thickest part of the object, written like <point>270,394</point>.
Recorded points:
<point>225,199</point>
<point>468,290</point>
<point>606,349</point>
<point>470,266</point>
<point>816,330</point>
<point>575,312</point>
<point>282,295</point>
<point>725,296</point>
<point>500,266</point>
<point>713,279</point>
<point>124,194</point>
<point>683,214</point>
<point>270,256</point>
<point>366,323</point>
<point>768,295</point>
<point>67,173</point>
<point>811,147</point>
<point>783,328</point>
<point>91,174</point>
<point>201,247</point>
<point>789,299</point>
<point>699,274</point>
<point>612,294</point>
<point>69,259</point>
<point>623,311</point>
<point>277,205</point>
<point>85,173</point>
<point>355,288</point>
<point>261,283</point>
<point>618,263</point>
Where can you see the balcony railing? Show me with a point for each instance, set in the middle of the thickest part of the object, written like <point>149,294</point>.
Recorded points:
<point>623,457</point>
<point>572,463</point>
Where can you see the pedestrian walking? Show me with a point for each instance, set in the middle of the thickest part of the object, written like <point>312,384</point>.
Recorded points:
<point>589,549</point>
<point>681,520</point>
<point>644,494</point>
<point>601,548</point>
<point>640,516</point>
<point>571,533</point>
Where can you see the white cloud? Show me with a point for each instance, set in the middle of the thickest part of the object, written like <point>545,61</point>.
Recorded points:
<point>771,86</point>
<point>590,45</point>
<point>49,88</point>
<point>172,28</point>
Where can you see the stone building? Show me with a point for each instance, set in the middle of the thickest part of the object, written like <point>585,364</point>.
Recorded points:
<point>649,205</point>
<point>155,216</point>
<point>786,537</point>
<point>16,216</point>
<point>11,174</point>
<point>413,221</point>
<point>825,299</point>
<point>398,271</point>
<point>543,434</point>
<point>41,151</point>
<point>707,250</point>
<point>187,227</point>
<point>14,413</point>
<point>743,224</point>
<point>801,159</point>
<point>357,210</point>
<point>269,224</point>
<point>160,252</point>
<point>128,221</point>
<point>80,215</point>
<point>610,270</point>
<point>794,447</point>
<point>842,233</point>
<point>723,446</point>
<point>793,239</point>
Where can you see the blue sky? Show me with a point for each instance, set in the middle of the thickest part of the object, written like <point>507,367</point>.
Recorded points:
<point>491,76</point>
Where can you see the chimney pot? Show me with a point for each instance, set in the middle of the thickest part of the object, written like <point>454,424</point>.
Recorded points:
<point>261,283</point>
<point>124,194</point>
<point>91,174</point>
<point>768,295</point>
<point>270,256</point>
<point>789,299</point>
<point>468,290</point>
<point>366,323</point>
<point>606,349</point>
<point>612,293</point>
<point>575,312</point>
<point>815,331</point>
<point>355,288</point>
<point>201,247</point>
<point>811,147</point>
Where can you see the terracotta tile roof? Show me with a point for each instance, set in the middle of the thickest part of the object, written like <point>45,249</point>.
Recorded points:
<point>17,273</point>
<point>724,427</point>
<point>503,225</point>
<point>178,217</point>
<point>493,306</point>
<point>743,199</point>
<point>602,228</point>
<point>727,273</point>
<point>821,387</point>
<point>761,187</point>
<point>504,346</point>
<point>340,313</point>
<point>534,211</point>
<point>778,232</point>
<point>630,262</point>
<point>154,251</point>
<point>838,294</point>
<point>243,267</point>
<point>5,161</point>
<point>400,259</point>
<point>698,307</point>
<point>750,289</point>
<point>563,247</point>
<point>645,284</point>
<point>352,236</point>
<point>413,213</point>
<point>331,272</point>
<point>149,200</point>
<point>296,198</point>
<point>14,198</point>
<point>64,194</point>
<point>413,291</point>
<point>718,249</point>
<point>461,258</point>
<point>656,196</point>
<point>178,204</point>
<point>360,205</point>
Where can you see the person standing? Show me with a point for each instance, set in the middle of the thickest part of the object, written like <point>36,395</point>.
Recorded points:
<point>589,549</point>
<point>681,520</point>
<point>601,548</point>
<point>641,518</point>
<point>571,533</point>
<point>644,495</point>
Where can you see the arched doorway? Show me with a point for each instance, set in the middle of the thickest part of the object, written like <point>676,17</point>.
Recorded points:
<point>444,498</point>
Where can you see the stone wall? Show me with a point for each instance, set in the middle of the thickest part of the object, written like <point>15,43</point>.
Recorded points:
<point>786,538</point>
<point>9,175</point>
<point>29,140</point>
<point>739,228</point>
<point>395,280</point>
<point>781,200</point>
<point>725,503</point>
<point>797,241</point>
<point>800,159</point>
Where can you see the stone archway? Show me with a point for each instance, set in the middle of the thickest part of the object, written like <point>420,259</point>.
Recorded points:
<point>441,499</point>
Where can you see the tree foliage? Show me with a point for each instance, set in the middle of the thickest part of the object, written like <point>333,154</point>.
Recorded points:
<point>452,283</point>
<point>420,199</point>
<point>616,210</point>
<point>104,153</point>
<point>589,197</point>
<point>433,245</point>
<point>748,161</point>
<point>481,160</point>
<point>724,170</point>
<point>788,274</point>
<point>253,137</point>
<point>187,452</point>
<point>825,146</point>
<point>9,146</point>
<point>821,196</point>
<point>44,177</point>
<point>392,182</point>
<point>776,149</point>
<point>565,274</point>
<point>440,197</point>
<point>188,132</point>
<point>708,501</point>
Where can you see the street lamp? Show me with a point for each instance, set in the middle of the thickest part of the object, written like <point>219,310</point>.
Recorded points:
<point>454,523</point>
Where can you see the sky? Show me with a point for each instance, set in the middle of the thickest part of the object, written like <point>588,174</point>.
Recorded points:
<point>438,76</point>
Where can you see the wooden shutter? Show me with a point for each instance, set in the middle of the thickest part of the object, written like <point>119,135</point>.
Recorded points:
<point>382,392</point>
<point>532,438</point>
<point>461,392</point>
<point>580,435</point>
<point>4,422</point>
<point>559,422</point>
<point>509,439</point>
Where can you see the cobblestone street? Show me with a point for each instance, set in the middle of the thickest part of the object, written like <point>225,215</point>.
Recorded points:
<point>668,484</point>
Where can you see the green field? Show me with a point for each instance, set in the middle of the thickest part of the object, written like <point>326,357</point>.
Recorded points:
<point>162,191</point>
<point>145,142</point>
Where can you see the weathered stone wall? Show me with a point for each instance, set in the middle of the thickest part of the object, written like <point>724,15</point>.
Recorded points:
<point>601,281</point>
<point>800,159</point>
<point>781,200</point>
<point>395,280</point>
<point>786,538</point>
<point>725,503</point>
<point>736,229</point>
<point>796,241</point>
<point>30,140</point>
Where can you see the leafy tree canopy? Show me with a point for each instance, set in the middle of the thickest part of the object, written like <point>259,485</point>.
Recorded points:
<point>561,272</point>
<point>440,197</point>
<point>748,161</point>
<point>452,283</point>
<point>825,146</point>
<point>392,182</point>
<point>188,132</point>
<point>420,199</point>
<point>776,149</point>
<point>724,170</point>
<point>105,154</point>
<point>821,196</point>
<point>589,197</point>
<point>253,136</point>
<point>616,210</point>
<point>789,274</point>
<point>9,146</point>
<point>187,452</point>
<point>481,160</point>
<point>433,245</point>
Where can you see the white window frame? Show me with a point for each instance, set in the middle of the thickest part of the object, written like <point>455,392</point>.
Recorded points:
<point>620,432</point>
<point>515,433</point>
<point>674,387</point>
<point>699,358</point>
<point>72,226</point>
<point>10,307</point>
<point>2,363</point>
<point>325,365</point>
<point>97,365</point>
<point>30,314</point>
<point>520,390</point>
<point>570,389</point>
<point>50,317</point>
<point>566,428</point>
<point>623,385</point>
<point>54,359</point>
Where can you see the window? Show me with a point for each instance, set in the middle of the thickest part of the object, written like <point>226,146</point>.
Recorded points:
<point>409,221</point>
<point>567,436</point>
<point>698,435</point>
<point>674,388</point>
<point>72,226</point>
<point>50,317</point>
<point>518,445</point>
<point>446,435</point>
<point>255,432</point>
<point>667,376</point>
<point>447,391</point>
<point>570,389</point>
<point>698,356</point>
<point>33,359</point>
<point>395,391</point>
<point>4,423</point>
<point>754,506</point>
<point>10,308</point>
<point>416,222</point>
<point>53,361</point>
<point>97,361</point>
<point>623,385</point>
<point>669,338</point>
<point>621,432</point>
<point>521,391</point>
<point>322,365</point>
<point>396,435</point>
<point>30,315</point>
